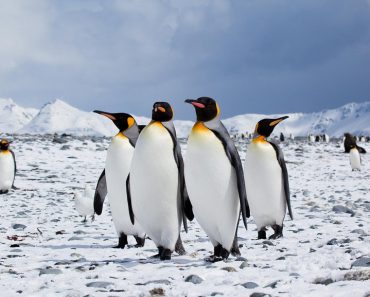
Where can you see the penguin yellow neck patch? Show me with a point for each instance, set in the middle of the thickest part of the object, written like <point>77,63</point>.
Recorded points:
<point>259,139</point>
<point>5,152</point>
<point>200,127</point>
<point>120,135</point>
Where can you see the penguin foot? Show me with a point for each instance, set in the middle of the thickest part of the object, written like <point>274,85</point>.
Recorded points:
<point>220,253</point>
<point>122,241</point>
<point>139,241</point>
<point>262,234</point>
<point>213,259</point>
<point>235,248</point>
<point>4,191</point>
<point>160,252</point>
<point>93,218</point>
<point>179,247</point>
<point>166,255</point>
<point>278,232</point>
<point>84,220</point>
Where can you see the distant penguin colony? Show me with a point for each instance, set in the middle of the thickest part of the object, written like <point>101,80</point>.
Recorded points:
<point>8,167</point>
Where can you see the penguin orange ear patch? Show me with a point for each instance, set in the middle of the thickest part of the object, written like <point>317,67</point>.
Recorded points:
<point>130,121</point>
<point>161,109</point>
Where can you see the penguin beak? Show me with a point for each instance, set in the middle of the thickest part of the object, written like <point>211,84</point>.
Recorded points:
<point>195,103</point>
<point>277,121</point>
<point>106,114</point>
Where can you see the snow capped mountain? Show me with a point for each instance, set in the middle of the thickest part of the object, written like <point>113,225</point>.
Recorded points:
<point>352,117</point>
<point>13,117</point>
<point>60,117</point>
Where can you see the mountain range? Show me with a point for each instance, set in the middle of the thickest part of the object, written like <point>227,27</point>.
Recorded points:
<point>60,117</point>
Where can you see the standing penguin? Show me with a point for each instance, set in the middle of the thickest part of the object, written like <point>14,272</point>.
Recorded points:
<point>8,167</point>
<point>113,178</point>
<point>214,179</point>
<point>158,199</point>
<point>266,180</point>
<point>354,158</point>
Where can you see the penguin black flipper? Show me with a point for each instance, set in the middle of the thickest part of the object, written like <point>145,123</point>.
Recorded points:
<point>284,170</point>
<point>100,194</point>
<point>185,201</point>
<point>141,127</point>
<point>129,202</point>
<point>233,155</point>
<point>15,169</point>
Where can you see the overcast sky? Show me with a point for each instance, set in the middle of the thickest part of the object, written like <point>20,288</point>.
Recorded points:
<point>252,56</point>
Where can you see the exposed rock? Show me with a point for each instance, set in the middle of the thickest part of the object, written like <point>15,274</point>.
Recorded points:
<point>99,284</point>
<point>361,275</point>
<point>50,271</point>
<point>193,278</point>
<point>157,292</point>
<point>343,209</point>
<point>361,262</point>
<point>18,226</point>
<point>249,285</point>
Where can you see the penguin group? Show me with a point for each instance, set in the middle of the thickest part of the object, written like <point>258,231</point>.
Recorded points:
<point>154,192</point>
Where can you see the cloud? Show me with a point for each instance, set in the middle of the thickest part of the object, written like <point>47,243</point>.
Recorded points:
<point>255,55</point>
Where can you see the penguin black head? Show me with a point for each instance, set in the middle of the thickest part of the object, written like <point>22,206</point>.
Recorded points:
<point>266,126</point>
<point>162,112</point>
<point>123,121</point>
<point>206,108</point>
<point>4,145</point>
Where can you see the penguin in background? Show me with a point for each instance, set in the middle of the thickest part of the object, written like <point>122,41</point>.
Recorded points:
<point>215,180</point>
<point>8,167</point>
<point>354,157</point>
<point>349,142</point>
<point>156,189</point>
<point>84,203</point>
<point>266,180</point>
<point>113,178</point>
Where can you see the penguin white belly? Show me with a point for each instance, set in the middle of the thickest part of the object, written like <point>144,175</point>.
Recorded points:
<point>212,187</point>
<point>355,159</point>
<point>154,186</point>
<point>264,184</point>
<point>117,168</point>
<point>6,170</point>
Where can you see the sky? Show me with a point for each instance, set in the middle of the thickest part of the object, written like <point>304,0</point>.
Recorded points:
<point>252,56</point>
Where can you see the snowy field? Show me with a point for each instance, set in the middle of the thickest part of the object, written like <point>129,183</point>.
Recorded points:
<point>46,250</point>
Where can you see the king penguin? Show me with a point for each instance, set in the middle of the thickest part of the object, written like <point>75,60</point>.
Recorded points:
<point>354,157</point>
<point>8,167</point>
<point>266,179</point>
<point>113,179</point>
<point>156,183</point>
<point>215,180</point>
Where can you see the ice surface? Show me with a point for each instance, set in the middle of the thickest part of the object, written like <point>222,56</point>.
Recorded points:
<point>55,254</point>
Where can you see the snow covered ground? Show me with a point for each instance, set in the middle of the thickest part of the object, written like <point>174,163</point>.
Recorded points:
<point>46,250</point>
